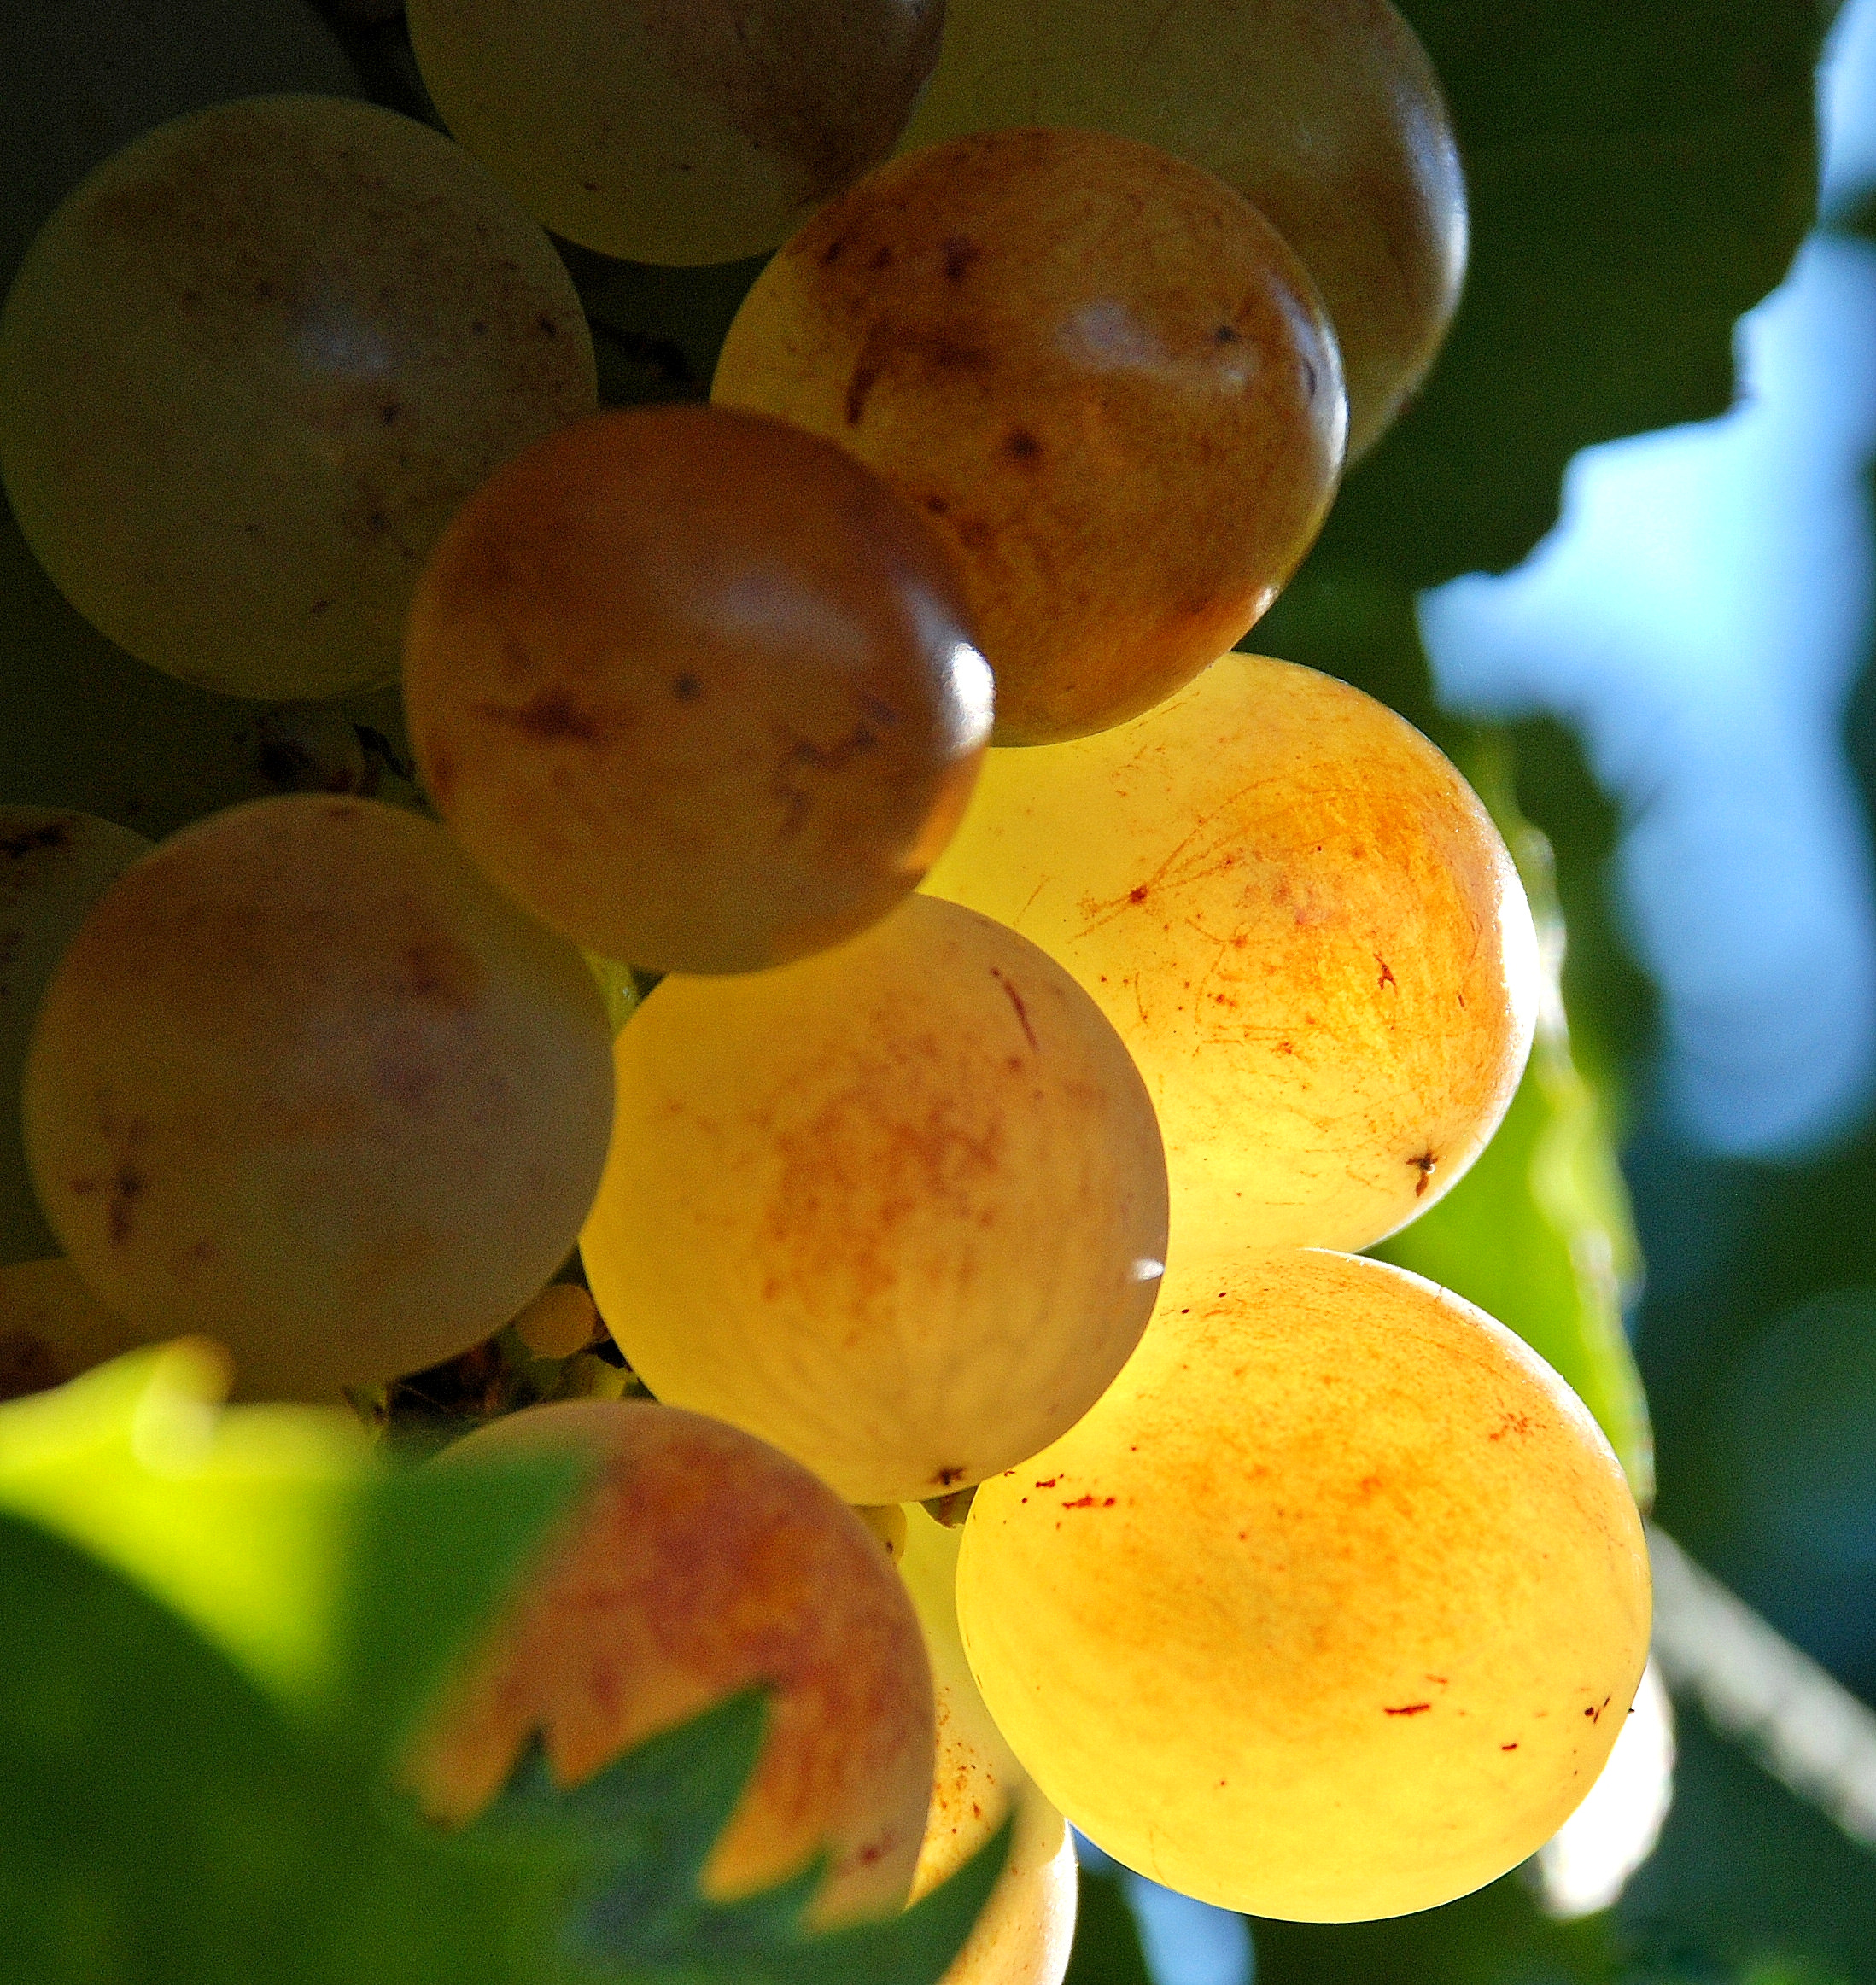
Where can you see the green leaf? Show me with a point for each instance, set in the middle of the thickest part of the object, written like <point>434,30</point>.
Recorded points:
<point>1106,1949</point>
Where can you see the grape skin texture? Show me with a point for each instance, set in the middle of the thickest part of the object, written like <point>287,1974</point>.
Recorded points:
<point>1100,372</point>
<point>54,866</point>
<point>306,1084</point>
<point>251,367</point>
<point>697,1562</point>
<point>695,689</point>
<point>681,132</point>
<point>1304,926</point>
<point>1325,114</point>
<point>52,1327</point>
<point>1028,1925</point>
<point>899,1208</point>
<point>1389,1526</point>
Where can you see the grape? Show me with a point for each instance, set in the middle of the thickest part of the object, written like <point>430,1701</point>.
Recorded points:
<point>1330,1610</point>
<point>250,368</point>
<point>697,1562</point>
<point>689,133</point>
<point>1102,375</point>
<point>1024,1935</point>
<point>83,77</point>
<point>54,866</point>
<point>898,1209</point>
<point>1325,114</point>
<point>559,1321</point>
<point>52,1327</point>
<point>695,689</point>
<point>1303,924</point>
<point>305,1084</point>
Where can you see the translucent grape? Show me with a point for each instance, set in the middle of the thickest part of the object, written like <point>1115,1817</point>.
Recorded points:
<point>1332,1608</point>
<point>1306,928</point>
<point>1102,375</point>
<point>250,368</point>
<point>52,1327</point>
<point>899,1208</point>
<point>683,134</point>
<point>695,689</point>
<point>699,1562</point>
<point>1325,114</point>
<point>305,1084</point>
<point>54,866</point>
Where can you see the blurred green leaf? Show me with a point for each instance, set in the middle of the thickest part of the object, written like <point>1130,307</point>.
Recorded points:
<point>1107,1949</point>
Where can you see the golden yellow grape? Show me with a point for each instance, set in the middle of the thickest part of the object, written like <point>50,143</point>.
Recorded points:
<point>698,1562</point>
<point>689,133</point>
<point>695,689</point>
<point>305,1084</point>
<point>1022,1936</point>
<point>1304,926</point>
<point>52,1327</point>
<point>250,368</point>
<point>898,1208</point>
<point>1325,114</point>
<point>1098,370</point>
<point>1333,1606</point>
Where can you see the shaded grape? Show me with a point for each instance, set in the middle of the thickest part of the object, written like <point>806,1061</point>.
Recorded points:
<point>1332,1608</point>
<point>305,1084</point>
<point>695,689</point>
<point>680,133</point>
<point>1101,374</point>
<point>697,1562</point>
<point>52,1327</point>
<point>898,1208</point>
<point>54,866</point>
<point>251,367</point>
<point>1303,924</point>
<point>1325,114</point>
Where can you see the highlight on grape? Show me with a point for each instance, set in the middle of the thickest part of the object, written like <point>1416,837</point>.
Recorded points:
<point>1023,1000</point>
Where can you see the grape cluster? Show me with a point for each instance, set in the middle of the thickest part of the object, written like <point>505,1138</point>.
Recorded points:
<point>1051,996</point>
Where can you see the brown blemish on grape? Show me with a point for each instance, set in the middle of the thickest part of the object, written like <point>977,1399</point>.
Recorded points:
<point>551,717</point>
<point>440,971</point>
<point>1407,1709</point>
<point>1387,976</point>
<point>960,252</point>
<point>1518,1423</point>
<point>33,840</point>
<point>864,379</point>
<point>1021,446</point>
<point>29,1364</point>
<point>1022,1012</point>
<point>1425,1165</point>
<point>1507,1746</point>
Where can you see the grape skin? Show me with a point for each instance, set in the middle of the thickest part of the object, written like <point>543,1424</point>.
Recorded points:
<point>898,1208</point>
<point>1330,1610</point>
<point>695,689</point>
<point>697,1562</point>
<point>1304,926</point>
<point>52,1327</point>
<point>250,368</point>
<point>54,866</point>
<point>303,1082</point>
<point>683,133</point>
<point>1100,373</point>
<point>1325,114</point>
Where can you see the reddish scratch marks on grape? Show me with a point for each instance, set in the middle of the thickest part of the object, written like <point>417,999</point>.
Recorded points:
<point>1387,977</point>
<point>1507,1746</point>
<point>1022,1012</point>
<point>1425,1165</point>
<point>1050,1483</point>
<point>1518,1423</point>
<point>1407,1709</point>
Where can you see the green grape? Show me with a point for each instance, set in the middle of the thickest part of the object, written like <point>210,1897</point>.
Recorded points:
<point>1100,373</point>
<point>1304,926</point>
<point>695,689</point>
<point>898,1209</point>
<point>303,1082</point>
<point>54,866</point>
<point>698,1562</point>
<point>1332,1608</point>
<point>52,1327</point>
<point>1325,114</point>
<point>251,367</point>
<point>696,132</point>
<point>83,77</point>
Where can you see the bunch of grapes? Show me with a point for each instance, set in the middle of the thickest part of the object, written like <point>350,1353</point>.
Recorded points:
<point>1047,1002</point>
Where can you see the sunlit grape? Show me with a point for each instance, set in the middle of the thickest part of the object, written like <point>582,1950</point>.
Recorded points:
<point>684,133</point>
<point>54,866</point>
<point>304,1083</point>
<point>698,1562</point>
<point>1101,374</point>
<point>52,1327</point>
<point>1303,924</point>
<point>898,1208</point>
<point>1325,114</point>
<point>251,367</point>
<point>695,689</point>
<point>1332,1607</point>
